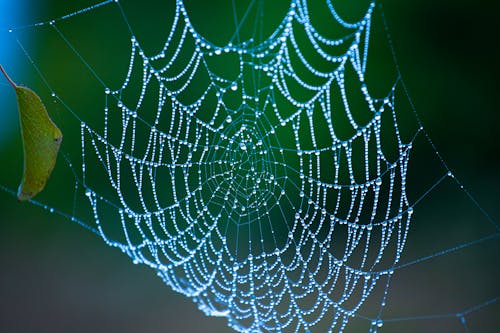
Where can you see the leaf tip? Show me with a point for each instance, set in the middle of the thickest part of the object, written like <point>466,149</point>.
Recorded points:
<point>24,196</point>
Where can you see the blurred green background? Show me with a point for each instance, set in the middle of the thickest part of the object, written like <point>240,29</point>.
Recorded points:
<point>57,277</point>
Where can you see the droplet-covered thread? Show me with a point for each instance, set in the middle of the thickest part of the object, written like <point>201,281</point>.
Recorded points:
<point>260,197</point>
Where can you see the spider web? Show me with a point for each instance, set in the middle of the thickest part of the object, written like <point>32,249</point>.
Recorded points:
<point>265,181</point>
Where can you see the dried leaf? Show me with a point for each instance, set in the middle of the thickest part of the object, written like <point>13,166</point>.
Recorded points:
<point>41,141</point>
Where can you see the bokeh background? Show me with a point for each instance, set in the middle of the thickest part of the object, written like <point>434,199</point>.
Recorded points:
<point>57,277</point>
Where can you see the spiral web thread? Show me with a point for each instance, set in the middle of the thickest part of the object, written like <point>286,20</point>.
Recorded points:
<point>270,218</point>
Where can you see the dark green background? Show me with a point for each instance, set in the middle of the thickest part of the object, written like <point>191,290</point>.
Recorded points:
<point>56,277</point>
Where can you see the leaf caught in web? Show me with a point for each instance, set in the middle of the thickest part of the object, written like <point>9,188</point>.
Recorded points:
<point>41,141</point>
